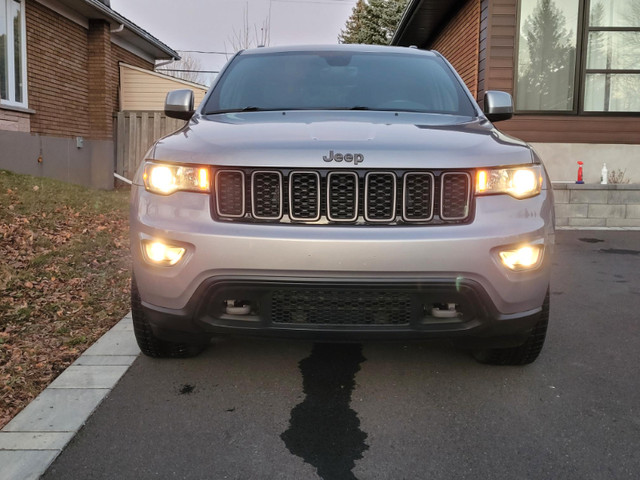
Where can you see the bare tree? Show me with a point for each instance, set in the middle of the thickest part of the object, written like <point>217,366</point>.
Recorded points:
<point>248,37</point>
<point>188,68</point>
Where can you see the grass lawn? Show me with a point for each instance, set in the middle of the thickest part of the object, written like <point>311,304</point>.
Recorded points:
<point>64,279</point>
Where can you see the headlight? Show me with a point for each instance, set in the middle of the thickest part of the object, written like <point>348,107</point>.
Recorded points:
<point>166,179</point>
<point>519,182</point>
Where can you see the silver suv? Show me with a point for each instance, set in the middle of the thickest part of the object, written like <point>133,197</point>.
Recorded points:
<point>342,193</point>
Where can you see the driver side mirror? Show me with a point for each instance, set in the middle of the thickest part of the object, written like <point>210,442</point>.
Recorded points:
<point>179,104</point>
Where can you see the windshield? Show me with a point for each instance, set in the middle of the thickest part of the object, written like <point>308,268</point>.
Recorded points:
<point>339,81</point>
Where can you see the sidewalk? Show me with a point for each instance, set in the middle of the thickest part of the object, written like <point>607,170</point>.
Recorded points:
<point>35,437</point>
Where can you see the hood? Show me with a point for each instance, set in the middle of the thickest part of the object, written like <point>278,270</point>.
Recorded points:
<point>304,139</point>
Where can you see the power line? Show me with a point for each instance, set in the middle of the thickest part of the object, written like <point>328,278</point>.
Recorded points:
<point>185,70</point>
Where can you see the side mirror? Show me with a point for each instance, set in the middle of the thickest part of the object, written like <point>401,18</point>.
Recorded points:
<point>179,104</point>
<point>498,106</point>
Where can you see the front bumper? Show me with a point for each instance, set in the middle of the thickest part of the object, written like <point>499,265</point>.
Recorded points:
<point>338,310</point>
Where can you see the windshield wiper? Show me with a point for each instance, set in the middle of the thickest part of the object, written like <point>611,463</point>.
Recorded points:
<point>244,109</point>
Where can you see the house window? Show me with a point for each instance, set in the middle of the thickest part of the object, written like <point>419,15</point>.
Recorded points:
<point>578,56</point>
<point>13,84</point>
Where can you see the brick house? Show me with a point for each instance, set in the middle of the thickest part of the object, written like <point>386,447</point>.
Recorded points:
<point>59,80</point>
<point>571,65</point>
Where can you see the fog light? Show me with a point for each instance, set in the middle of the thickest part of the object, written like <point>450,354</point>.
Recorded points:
<point>527,257</point>
<point>160,253</point>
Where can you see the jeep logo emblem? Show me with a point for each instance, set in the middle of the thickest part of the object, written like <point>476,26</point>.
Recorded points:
<point>356,158</point>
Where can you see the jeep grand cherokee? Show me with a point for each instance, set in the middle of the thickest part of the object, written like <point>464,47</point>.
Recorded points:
<point>341,193</point>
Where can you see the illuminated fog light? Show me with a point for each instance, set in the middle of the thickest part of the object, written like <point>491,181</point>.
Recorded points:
<point>523,258</point>
<point>162,254</point>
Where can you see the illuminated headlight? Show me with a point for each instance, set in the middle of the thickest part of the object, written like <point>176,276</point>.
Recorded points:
<point>519,182</point>
<point>160,253</point>
<point>527,257</point>
<point>166,179</point>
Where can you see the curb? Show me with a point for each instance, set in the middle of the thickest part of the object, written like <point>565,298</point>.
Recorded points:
<point>612,229</point>
<point>35,437</point>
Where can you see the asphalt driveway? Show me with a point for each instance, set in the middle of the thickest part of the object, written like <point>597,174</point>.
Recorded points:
<point>260,409</point>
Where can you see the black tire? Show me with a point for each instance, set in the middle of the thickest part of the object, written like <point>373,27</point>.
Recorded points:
<point>151,345</point>
<point>525,353</point>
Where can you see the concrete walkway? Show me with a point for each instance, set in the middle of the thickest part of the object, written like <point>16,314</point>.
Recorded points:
<point>37,435</point>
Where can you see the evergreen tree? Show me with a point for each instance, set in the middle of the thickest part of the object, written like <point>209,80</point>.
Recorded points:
<point>547,81</point>
<point>373,22</point>
<point>353,27</point>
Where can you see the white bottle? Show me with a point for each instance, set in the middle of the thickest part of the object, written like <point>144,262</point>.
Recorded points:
<point>604,176</point>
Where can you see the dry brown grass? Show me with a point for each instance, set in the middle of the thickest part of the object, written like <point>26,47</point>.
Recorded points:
<point>64,279</point>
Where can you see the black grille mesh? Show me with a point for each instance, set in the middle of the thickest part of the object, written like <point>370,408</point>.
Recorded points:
<point>267,188</point>
<point>304,199</point>
<point>230,193</point>
<point>418,191</point>
<point>340,307</point>
<point>343,196</point>
<point>455,193</point>
<point>380,198</point>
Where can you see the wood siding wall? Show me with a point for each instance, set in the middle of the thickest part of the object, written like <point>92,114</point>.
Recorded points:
<point>60,71</point>
<point>120,55</point>
<point>482,50</point>
<point>501,50</point>
<point>144,90</point>
<point>573,129</point>
<point>458,42</point>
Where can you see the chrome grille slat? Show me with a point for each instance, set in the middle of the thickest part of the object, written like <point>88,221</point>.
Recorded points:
<point>266,195</point>
<point>342,196</point>
<point>230,193</point>
<point>380,197</point>
<point>454,195</point>
<point>418,201</point>
<point>304,196</point>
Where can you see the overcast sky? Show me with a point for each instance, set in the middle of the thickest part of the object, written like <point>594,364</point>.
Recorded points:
<point>208,25</point>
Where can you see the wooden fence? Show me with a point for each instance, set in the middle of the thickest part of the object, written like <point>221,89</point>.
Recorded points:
<point>135,133</point>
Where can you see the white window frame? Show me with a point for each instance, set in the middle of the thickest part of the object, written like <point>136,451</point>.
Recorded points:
<point>10,101</point>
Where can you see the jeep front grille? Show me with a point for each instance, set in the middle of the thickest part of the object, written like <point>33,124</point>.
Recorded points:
<point>340,196</point>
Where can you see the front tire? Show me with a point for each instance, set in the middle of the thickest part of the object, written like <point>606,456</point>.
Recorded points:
<point>524,354</point>
<point>149,343</point>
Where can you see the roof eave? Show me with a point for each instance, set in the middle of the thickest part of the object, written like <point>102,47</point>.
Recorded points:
<point>131,33</point>
<point>423,20</point>
<point>404,21</point>
<point>160,50</point>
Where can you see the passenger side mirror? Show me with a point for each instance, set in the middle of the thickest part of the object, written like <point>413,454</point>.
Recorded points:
<point>498,106</point>
<point>179,104</point>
